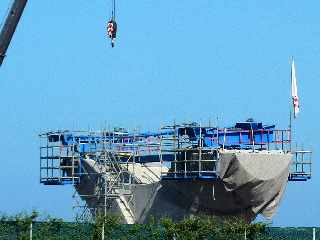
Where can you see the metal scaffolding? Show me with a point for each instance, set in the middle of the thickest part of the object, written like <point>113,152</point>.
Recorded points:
<point>192,150</point>
<point>59,164</point>
<point>105,166</point>
<point>187,157</point>
<point>301,167</point>
<point>104,159</point>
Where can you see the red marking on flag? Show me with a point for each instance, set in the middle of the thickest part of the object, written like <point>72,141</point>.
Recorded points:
<point>296,101</point>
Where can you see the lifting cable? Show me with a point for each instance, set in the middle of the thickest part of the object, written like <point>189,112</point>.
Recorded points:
<point>113,14</point>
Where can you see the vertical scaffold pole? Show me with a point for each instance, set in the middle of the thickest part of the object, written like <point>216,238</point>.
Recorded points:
<point>40,174</point>
<point>185,157</point>
<point>224,137</point>
<point>200,150</point>
<point>30,231</point>
<point>60,154</point>
<point>102,231</point>
<point>160,153</point>
<point>290,130</point>
<point>314,233</point>
<point>175,148</point>
<point>47,158</point>
<point>253,143</point>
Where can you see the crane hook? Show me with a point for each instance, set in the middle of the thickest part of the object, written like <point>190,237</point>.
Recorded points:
<point>112,25</point>
<point>112,31</point>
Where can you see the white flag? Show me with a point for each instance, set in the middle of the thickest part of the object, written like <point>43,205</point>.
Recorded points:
<point>294,90</point>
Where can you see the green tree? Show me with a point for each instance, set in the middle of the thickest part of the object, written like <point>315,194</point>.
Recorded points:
<point>110,223</point>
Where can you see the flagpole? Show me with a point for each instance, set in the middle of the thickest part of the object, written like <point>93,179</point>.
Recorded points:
<point>290,129</point>
<point>290,116</point>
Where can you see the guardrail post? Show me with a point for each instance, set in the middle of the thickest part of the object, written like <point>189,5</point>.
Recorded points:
<point>31,230</point>
<point>253,143</point>
<point>282,145</point>
<point>314,233</point>
<point>268,139</point>
<point>102,231</point>
<point>224,137</point>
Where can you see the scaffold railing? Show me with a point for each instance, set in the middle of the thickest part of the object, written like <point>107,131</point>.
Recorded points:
<point>107,160</point>
<point>184,157</point>
<point>59,164</point>
<point>301,167</point>
<point>192,150</point>
<point>62,152</point>
<point>104,159</point>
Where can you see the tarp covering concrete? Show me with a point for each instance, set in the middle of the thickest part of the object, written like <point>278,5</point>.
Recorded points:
<point>256,180</point>
<point>250,183</point>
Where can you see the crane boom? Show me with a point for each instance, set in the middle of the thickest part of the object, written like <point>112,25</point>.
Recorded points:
<point>10,26</point>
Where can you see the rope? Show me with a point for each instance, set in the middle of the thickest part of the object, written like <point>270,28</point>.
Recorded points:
<point>113,6</point>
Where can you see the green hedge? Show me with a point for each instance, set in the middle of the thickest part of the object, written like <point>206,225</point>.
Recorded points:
<point>18,227</point>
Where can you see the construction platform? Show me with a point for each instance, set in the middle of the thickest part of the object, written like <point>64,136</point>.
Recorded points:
<point>107,167</point>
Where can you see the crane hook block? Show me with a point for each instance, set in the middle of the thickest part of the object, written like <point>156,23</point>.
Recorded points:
<point>112,31</point>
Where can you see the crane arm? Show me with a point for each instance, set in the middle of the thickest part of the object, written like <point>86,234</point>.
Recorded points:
<point>10,26</point>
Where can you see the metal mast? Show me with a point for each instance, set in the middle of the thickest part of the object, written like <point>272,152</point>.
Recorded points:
<point>10,26</point>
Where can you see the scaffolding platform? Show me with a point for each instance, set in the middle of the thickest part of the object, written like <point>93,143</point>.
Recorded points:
<point>301,167</point>
<point>189,151</point>
<point>59,164</point>
<point>194,149</point>
<point>113,159</point>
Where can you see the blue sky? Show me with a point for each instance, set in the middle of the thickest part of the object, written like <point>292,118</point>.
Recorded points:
<point>173,60</point>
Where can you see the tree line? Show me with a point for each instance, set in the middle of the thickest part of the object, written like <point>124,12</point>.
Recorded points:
<point>26,226</point>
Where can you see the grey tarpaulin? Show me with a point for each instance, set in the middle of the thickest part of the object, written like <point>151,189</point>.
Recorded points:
<point>249,183</point>
<point>257,180</point>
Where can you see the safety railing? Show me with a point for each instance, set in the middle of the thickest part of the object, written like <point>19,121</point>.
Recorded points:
<point>193,151</point>
<point>182,157</point>
<point>197,168</point>
<point>261,139</point>
<point>62,152</point>
<point>301,167</point>
<point>59,164</point>
<point>121,144</point>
